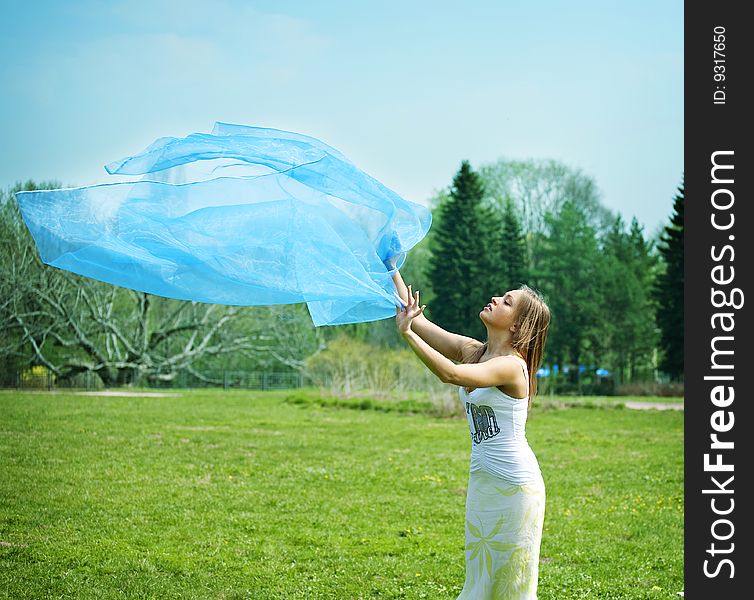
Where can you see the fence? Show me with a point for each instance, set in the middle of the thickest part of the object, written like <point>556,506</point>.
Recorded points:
<point>254,380</point>
<point>40,378</point>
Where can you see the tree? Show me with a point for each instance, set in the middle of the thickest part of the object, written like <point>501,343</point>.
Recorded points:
<point>668,292</point>
<point>570,278</point>
<point>628,323</point>
<point>619,297</point>
<point>12,229</point>
<point>72,324</point>
<point>539,187</point>
<point>646,332</point>
<point>465,251</point>
<point>513,244</point>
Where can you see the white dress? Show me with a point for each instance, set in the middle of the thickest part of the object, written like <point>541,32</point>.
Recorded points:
<point>505,501</point>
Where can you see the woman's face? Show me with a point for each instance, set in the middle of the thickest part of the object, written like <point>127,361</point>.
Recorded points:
<point>502,310</point>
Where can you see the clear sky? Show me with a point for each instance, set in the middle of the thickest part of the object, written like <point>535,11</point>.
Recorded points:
<point>406,89</point>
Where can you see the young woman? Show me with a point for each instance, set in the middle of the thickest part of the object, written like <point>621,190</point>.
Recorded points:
<point>505,501</point>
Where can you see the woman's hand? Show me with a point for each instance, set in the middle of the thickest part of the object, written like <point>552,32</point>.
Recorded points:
<point>403,317</point>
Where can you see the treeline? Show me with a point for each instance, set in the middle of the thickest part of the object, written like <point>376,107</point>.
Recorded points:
<point>615,294</point>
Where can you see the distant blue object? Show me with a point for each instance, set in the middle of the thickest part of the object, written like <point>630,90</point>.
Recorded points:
<point>543,372</point>
<point>242,216</point>
<point>602,372</point>
<point>582,368</point>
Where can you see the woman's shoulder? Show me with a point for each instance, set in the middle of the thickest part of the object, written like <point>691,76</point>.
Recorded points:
<point>520,385</point>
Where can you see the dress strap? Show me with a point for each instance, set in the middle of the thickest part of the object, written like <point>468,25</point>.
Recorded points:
<point>526,372</point>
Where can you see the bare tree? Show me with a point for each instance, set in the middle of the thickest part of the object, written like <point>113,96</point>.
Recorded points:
<point>72,324</point>
<point>539,187</point>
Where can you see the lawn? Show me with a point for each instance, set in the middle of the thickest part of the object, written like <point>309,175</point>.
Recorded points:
<point>236,494</point>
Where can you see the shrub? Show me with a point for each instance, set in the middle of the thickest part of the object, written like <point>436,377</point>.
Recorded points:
<point>350,368</point>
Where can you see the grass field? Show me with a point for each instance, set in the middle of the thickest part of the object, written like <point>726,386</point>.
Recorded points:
<point>214,494</point>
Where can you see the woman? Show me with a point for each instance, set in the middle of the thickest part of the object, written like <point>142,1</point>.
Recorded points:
<point>505,501</point>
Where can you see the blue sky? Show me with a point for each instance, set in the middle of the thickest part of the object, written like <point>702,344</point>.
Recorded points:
<point>406,90</point>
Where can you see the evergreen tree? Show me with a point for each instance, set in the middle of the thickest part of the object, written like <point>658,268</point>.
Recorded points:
<point>513,246</point>
<point>491,278</point>
<point>668,292</point>
<point>463,261</point>
<point>619,293</point>
<point>628,325</point>
<point>644,319</point>
<point>569,277</point>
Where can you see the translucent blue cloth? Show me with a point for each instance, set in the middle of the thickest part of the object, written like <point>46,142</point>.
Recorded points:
<point>241,216</point>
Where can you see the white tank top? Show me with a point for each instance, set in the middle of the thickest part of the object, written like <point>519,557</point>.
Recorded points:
<point>497,423</point>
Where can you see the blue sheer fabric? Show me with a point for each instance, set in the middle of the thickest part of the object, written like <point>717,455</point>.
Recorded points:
<point>241,216</point>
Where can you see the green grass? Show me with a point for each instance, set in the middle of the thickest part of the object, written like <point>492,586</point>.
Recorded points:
<point>239,494</point>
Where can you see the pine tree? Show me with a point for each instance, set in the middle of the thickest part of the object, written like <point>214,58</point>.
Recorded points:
<point>644,317</point>
<point>618,283</point>
<point>569,274</point>
<point>628,321</point>
<point>491,278</point>
<point>463,257</point>
<point>668,292</point>
<point>513,245</point>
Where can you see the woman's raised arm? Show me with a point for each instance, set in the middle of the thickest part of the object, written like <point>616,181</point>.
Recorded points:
<point>450,345</point>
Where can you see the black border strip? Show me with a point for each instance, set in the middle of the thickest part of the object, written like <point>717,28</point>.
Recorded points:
<point>718,509</point>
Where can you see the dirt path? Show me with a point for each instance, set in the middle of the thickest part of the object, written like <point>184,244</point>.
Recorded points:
<point>654,405</point>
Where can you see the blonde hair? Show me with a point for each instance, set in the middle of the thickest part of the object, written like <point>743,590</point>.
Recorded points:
<point>532,325</point>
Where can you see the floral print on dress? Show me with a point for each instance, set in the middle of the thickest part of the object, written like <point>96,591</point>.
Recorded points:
<point>503,535</point>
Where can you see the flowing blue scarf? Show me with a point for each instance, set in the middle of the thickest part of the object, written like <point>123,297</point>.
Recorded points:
<point>242,216</point>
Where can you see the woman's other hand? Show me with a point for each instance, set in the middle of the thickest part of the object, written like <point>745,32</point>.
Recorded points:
<point>411,310</point>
